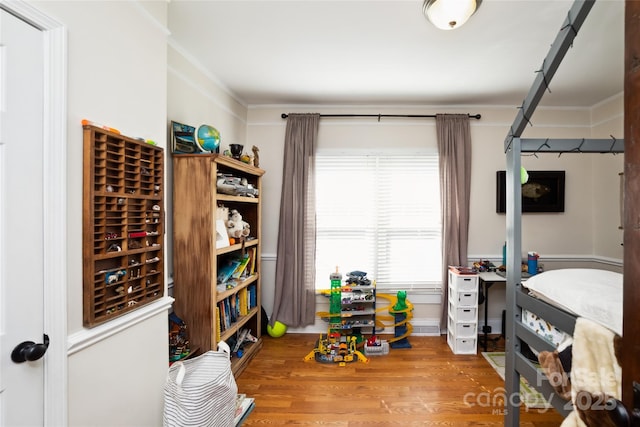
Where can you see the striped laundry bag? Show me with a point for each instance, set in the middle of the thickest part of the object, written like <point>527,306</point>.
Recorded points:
<point>201,391</point>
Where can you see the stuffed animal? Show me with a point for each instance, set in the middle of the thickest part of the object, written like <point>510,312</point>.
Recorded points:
<point>554,369</point>
<point>236,227</point>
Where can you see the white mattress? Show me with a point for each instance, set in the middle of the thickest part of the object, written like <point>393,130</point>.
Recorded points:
<point>589,293</point>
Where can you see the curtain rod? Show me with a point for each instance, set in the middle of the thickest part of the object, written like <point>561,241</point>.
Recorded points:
<point>379,116</point>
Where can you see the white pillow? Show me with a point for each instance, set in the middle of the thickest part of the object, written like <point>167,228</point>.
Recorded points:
<point>590,293</point>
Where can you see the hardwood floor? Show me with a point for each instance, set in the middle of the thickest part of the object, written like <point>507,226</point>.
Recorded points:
<point>423,386</point>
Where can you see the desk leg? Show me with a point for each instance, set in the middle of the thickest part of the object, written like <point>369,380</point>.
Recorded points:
<point>485,328</point>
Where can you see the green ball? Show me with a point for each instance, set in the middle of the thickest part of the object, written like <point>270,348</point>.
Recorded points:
<point>524,176</point>
<point>277,330</point>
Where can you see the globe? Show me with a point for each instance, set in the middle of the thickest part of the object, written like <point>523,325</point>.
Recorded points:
<point>208,138</point>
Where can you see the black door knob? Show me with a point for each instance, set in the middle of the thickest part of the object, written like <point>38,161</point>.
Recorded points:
<point>30,351</point>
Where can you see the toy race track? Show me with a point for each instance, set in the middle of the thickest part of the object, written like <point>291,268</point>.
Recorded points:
<point>393,301</point>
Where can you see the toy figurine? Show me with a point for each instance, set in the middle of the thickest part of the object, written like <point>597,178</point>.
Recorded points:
<point>256,158</point>
<point>399,311</point>
<point>401,304</point>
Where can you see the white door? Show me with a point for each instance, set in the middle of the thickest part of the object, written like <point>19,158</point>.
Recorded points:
<point>21,221</point>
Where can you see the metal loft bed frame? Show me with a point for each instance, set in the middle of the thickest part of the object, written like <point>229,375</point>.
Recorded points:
<point>517,299</point>
<point>516,364</point>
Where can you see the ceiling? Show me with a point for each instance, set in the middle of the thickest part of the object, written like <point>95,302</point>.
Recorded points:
<point>376,52</point>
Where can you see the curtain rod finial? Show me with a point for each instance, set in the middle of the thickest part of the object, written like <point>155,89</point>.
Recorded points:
<point>284,115</point>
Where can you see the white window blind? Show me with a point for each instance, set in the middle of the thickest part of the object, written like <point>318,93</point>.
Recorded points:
<point>379,214</point>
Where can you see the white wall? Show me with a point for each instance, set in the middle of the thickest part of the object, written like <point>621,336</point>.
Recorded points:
<point>584,214</point>
<point>117,65</point>
<point>585,232</point>
<point>607,239</point>
<point>195,97</point>
<point>119,381</point>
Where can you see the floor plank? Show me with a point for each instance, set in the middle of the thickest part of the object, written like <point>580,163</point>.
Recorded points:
<point>425,385</point>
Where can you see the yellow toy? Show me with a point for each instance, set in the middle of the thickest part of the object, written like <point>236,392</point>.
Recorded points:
<point>332,349</point>
<point>335,347</point>
<point>393,308</point>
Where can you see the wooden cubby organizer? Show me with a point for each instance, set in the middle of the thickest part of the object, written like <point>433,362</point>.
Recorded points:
<point>123,224</point>
<point>197,260</point>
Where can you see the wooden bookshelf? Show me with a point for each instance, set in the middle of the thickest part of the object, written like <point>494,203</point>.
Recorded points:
<point>198,299</point>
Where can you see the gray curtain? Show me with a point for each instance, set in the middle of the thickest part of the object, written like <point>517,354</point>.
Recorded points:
<point>454,152</point>
<point>295,295</point>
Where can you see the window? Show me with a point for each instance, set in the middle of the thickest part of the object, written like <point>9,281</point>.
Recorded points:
<point>379,214</point>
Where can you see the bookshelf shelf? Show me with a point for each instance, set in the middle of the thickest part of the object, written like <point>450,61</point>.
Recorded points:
<point>237,247</point>
<point>238,324</point>
<point>227,293</point>
<point>227,198</point>
<point>212,310</point>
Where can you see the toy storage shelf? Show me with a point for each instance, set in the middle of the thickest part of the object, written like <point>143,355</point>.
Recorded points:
<point>358,309</point>
<point>123,224</point>
<point>212,310</point>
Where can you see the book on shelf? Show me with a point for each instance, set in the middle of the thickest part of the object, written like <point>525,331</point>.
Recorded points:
<point>244,302</point>
<point>225,315</point>
<point>226,270</point>
<point>233,308</point>
<point>461,269</point>
<point>229,312</point>
<point>218,331</point>
<point>241,267</point>
<point>252,260</point>
<point>253,296</point>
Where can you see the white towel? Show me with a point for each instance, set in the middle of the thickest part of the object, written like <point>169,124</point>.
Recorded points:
<point>595,370</point>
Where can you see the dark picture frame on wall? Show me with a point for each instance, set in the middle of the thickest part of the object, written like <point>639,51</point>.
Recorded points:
<point>183,139</point>
<point>543,192</point>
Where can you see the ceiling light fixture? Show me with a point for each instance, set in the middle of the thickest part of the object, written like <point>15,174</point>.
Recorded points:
<point>449,14</point>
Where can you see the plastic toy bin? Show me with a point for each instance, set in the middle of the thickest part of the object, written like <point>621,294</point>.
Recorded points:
<point>463,314</point>
<point>463,329</point>
<point>463,282</point>
<point>376,350</point>
<point>464,298</point>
